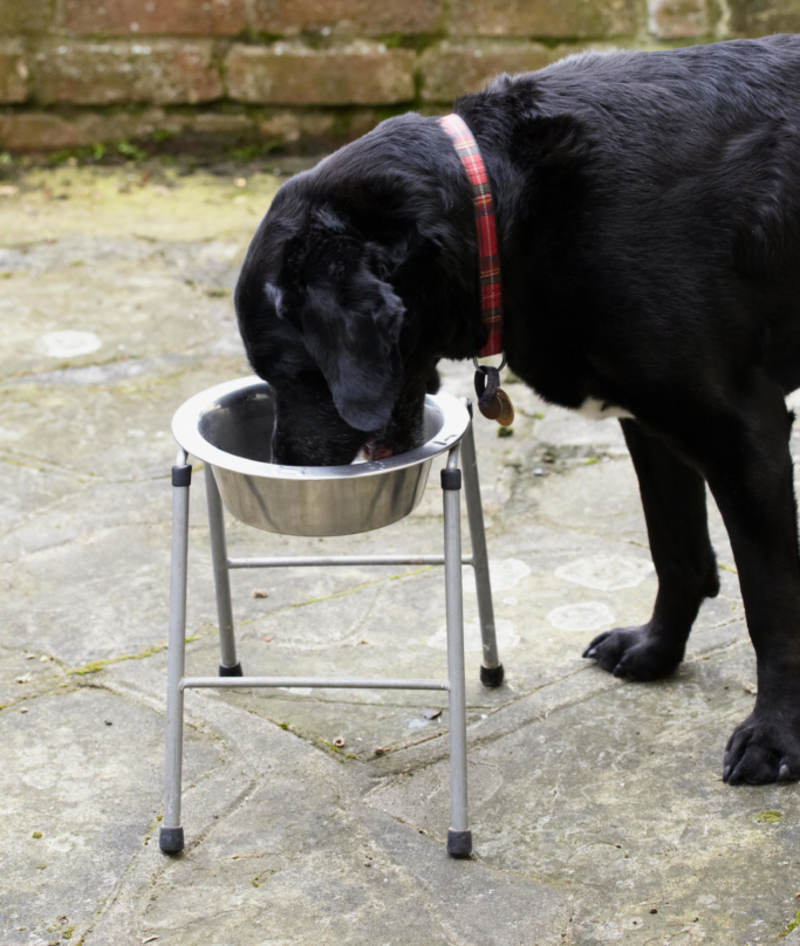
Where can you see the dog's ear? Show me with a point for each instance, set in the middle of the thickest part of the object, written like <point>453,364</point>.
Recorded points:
<point>351,326</point>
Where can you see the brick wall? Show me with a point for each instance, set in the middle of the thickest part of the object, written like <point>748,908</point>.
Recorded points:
<point>302,74</point>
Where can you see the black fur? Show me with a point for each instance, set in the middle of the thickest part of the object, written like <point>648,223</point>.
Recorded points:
<point>648,208</point>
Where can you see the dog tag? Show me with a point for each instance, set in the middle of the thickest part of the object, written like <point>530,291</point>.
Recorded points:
<point>492,409</point>
<point>493,402</point>
<point>506,416</point>
<point>499,408</point>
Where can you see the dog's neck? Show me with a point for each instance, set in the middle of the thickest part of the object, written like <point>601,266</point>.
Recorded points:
<point>488,251</point>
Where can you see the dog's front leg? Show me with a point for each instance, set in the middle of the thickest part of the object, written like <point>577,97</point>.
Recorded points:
<point>674,499</point>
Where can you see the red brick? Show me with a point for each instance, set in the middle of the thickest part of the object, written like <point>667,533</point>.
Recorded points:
<point>13,72</point>
<point>291,74</point>
<point>316,128</point>
<point>163,71</point>
<point>369,17</point>
<point>35,131</point>
<point>568,19</point>
<point>155,16</point>
<point>677,19</point>
<point>451,69</point>
<point>763,17</point>
<point>26,16</point>
<point>304,129</point>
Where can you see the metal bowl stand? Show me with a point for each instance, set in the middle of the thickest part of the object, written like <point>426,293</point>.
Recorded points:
<point>459,835</point>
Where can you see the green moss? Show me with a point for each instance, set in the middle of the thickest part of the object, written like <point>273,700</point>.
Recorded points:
<point>590,461</point>
<point>95,665</point>
<point>393,40</point>
<point>505,431</point>
<point>37,834</point>
<point>768,817</point>
<point>257,37</point>
<point>792,925</point>
<point>252,152</point>
<point>131,152</point>
<point>382,112</point>
<point>416,41</point>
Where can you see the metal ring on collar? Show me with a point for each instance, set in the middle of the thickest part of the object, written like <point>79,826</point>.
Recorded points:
<point>480,367</point>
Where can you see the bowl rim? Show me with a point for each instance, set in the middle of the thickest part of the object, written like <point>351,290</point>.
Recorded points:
<point>185,430</point>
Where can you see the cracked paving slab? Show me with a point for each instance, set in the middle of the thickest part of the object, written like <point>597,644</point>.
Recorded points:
<point>76,805</point>
<point>598,811</point>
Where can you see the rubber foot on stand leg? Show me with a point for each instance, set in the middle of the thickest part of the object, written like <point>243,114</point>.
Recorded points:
<point>459,843</point>
<point>231,671</point>
<point>170,840</point>
<point>492,676</point>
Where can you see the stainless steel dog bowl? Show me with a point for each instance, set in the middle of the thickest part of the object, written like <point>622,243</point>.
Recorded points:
<point>229,427</point>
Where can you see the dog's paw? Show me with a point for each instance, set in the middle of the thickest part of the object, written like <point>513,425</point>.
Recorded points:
<point>762,749</point>
<point>635,653</point>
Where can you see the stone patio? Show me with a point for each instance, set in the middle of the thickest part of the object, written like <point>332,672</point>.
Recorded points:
<point>597,806</point>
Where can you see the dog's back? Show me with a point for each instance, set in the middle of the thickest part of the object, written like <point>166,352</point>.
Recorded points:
<point>681,172</point>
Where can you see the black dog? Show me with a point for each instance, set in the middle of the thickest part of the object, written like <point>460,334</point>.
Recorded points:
<point>648,209</point>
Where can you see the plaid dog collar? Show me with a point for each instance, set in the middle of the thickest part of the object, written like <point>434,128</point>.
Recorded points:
<point>491,296</point>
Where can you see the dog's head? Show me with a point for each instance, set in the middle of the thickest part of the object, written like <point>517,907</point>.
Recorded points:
<point>350,292</point>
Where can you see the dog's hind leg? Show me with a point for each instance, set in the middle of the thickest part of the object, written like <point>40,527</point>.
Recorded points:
<point>749,470</point>
<point>674,499</point>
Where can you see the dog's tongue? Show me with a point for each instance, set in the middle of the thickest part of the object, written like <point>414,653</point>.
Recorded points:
<point>378,451</point>
<point>374,451</point>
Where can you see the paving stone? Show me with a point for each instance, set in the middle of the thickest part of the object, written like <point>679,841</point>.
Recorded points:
<point>78,805</point>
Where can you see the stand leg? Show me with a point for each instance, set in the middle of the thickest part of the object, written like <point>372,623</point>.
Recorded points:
<point>229,666</point>
<point>171,835</point>
<point>459,837</point>
<point>492,672</point>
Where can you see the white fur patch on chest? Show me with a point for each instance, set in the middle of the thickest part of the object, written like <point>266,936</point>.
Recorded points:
<point>600,410</point>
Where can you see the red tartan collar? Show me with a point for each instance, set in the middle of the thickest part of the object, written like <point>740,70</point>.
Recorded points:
<point>491,294</point>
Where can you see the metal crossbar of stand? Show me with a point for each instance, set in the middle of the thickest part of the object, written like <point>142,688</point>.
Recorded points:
<point>459,837</point>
